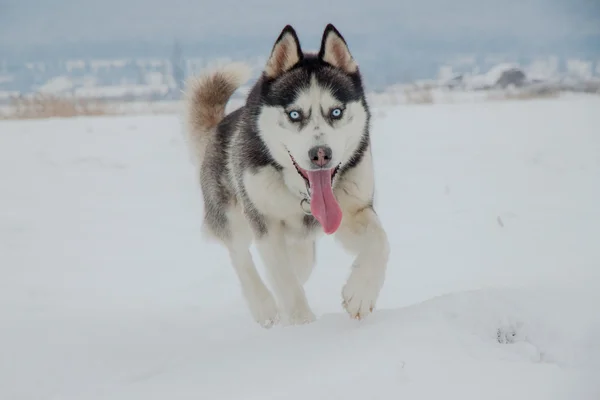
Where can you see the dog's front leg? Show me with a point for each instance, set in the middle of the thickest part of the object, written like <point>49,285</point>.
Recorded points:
<point>276,255</point>
<point>361,233</point>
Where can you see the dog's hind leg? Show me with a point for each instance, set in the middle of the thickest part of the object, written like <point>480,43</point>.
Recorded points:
<point>275,252</point>
<point>259,299</point>
<point>302,257</point>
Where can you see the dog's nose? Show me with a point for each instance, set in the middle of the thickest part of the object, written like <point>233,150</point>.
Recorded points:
<point>320,156</point>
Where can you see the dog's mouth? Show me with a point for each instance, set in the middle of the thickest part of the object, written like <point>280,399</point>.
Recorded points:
<point>323,203</point>
<point>304,173</point>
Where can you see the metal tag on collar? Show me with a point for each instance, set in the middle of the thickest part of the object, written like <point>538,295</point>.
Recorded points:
<point>305,205</point>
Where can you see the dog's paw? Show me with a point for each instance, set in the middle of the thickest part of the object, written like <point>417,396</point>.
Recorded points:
<point>264,311</point>
<point>359,297</point>
<point>300,315</point>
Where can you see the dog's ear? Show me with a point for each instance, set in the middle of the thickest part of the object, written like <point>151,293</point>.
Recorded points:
<point>334,51</point>
<point>285,54</point>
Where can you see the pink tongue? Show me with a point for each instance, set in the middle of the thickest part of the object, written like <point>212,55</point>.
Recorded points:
<point>323,204</point>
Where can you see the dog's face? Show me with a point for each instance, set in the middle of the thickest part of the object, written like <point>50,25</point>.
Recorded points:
<point>313,115</point>
<point>312,101</point>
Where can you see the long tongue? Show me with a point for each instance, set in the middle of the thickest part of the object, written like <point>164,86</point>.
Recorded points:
<point>323,204</point>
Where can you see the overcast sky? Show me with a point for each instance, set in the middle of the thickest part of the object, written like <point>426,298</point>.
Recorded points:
<point>27,22</point>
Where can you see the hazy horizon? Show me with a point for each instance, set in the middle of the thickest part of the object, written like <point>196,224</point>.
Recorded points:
<point>393,41</point>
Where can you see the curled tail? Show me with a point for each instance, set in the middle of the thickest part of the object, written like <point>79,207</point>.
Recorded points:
<point>206,98</point>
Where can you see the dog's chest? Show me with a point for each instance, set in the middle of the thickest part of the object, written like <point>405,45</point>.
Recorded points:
<point>295,184</point>
<point>274,193</point>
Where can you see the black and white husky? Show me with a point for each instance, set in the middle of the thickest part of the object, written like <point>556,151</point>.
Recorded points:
<point>293,162</point>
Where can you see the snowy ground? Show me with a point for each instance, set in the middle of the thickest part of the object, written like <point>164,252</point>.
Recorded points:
<point>107,290</point>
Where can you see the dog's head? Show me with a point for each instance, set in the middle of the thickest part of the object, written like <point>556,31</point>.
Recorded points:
<point>313,116</point>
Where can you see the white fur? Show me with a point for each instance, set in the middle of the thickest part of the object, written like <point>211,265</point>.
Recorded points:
<point>259,299</point>
<point>278,199</point>
<point>302,257</point>
<point>361,233</point>
<point>286,251</point>
<point>272,196</point>
<point>281,135</point>
<point>288,256</point>
<point>277,257</point>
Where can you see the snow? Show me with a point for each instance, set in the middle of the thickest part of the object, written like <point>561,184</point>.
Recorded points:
<point>108,291</point>
<point>490,78</point>
<point>543,69</point>
<point>57,85</point>
<point>580,69</point>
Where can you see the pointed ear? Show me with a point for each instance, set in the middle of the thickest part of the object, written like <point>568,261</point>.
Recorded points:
<point>285,54</point>
<point>334,51</point>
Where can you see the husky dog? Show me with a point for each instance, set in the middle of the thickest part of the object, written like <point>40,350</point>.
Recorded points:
<point>293,162</point>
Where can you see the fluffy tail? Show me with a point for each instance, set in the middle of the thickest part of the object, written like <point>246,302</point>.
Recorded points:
<point>206,98</point>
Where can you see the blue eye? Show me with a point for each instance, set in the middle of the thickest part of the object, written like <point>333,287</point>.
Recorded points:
<point>295,115</point>
<point>336,113</point>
